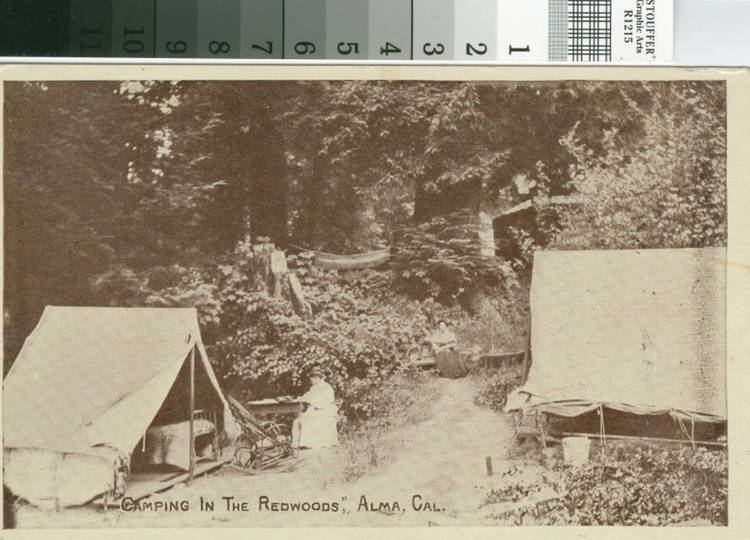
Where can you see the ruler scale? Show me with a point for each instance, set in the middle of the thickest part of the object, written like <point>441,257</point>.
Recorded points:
<point>476,29</point>
<point>90,31</point>
<point>218,28</point>
<point>261,29</point>
<point>347,29</point>
<point>176,28</point>
<point>304,29</point>
<point>133,28</point>
<point>390,29</point>
<point>434,30</point>
<point>503,31</point>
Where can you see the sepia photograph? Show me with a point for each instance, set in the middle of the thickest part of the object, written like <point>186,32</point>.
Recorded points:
<point>364,303</point>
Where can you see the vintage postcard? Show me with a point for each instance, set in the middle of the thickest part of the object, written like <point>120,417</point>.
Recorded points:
<point>374,297</point>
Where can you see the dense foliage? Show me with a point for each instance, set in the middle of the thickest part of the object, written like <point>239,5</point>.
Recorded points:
<point>440,259</point>
<point>266,348</point>
<point>401,401</point>
<point>135,193</point>
<point>495,389</point>
<point>674,173</point>
<point>632,486</point>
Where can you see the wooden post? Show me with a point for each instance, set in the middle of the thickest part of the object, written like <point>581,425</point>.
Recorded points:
<point>215,420</point>
<point>603,433</point>
<point>191,444</point>
<point>540,424</point>
<point>488,464</point>
<point>526,352</point>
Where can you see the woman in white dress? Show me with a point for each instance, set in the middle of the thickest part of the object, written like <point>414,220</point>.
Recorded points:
<point>316,426</point>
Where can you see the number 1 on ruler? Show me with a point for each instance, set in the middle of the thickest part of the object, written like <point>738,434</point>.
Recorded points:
<point>522,31</point>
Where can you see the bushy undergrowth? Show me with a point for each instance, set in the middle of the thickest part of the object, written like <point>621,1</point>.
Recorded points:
<point>441,260</point>
<point>359,331</point>
<point>402,400</point>
<point>644,485</point>
<point>358,340</point>
<point>494,389</point>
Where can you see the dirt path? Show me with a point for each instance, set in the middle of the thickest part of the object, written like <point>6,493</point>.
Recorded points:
<point>444,460</point>
<point>441,463</point>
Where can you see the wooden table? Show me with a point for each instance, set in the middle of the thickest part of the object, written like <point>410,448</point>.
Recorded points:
<point>274,406</point>
<point>496,360</point>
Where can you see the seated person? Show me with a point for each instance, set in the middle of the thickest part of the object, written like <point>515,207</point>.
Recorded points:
<point>443,339</point>
<point>316,426</point>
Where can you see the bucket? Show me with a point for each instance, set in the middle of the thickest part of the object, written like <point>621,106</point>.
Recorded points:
<point>576,450</point>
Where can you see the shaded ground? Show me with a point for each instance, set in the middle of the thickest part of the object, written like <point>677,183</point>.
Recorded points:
<point>440,462</point>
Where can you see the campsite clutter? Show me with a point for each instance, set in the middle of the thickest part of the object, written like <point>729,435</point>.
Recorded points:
<point>138,407</point>
<point>262,445</point>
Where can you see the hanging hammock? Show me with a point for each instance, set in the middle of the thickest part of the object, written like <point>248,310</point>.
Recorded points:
<point>359,261</point>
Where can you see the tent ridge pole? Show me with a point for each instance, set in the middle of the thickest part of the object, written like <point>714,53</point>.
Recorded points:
<point>527,350</point>
<point>191,418</point>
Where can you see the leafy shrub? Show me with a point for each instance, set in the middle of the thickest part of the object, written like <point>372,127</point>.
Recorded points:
<point>511,493</point>
<point>644,485</point>
<point>441,259</point>
<point>163,286</point>
<point>261,347</point>
<point>681,156</point>
<point>494,390</point>
<point>403,399</point>
<point>268,348</point>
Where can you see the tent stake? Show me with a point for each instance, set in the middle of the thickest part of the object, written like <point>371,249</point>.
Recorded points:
<point>191,445</point>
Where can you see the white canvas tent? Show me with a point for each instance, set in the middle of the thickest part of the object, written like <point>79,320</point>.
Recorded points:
<point>85,387</point>
<point>638,331</point>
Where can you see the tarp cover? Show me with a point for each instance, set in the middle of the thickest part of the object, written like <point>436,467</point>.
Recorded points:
<point>641,331</point>
<point>89,379</point>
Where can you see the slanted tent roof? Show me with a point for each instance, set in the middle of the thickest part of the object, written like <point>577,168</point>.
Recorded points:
<point>96,376</point>
<point>641,331</point>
